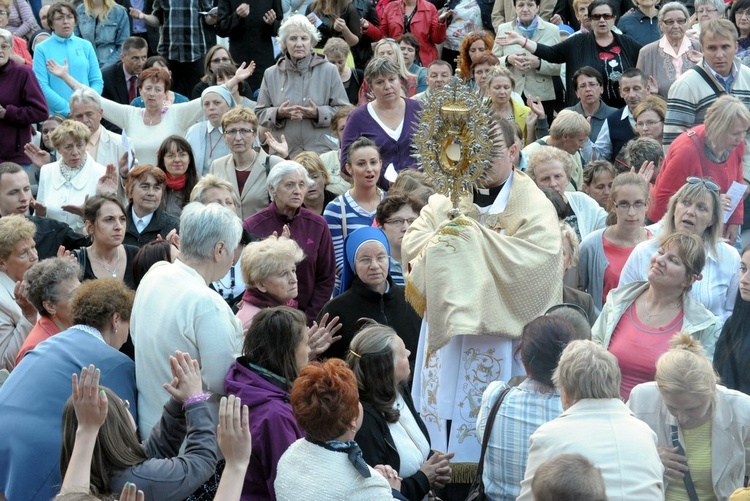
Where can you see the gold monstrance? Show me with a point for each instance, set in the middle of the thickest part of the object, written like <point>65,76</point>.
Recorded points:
<point>453,141</point>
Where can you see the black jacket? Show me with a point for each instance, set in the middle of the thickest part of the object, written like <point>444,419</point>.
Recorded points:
<point>389,309</point>
<point>161,224</point>
<point>375,439</point>
<point>51,234</point>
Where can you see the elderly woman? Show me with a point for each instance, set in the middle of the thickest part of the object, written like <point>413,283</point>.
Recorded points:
<point>705,10</point>
<point>107,256</point>
<point>733,346</point>
<point>172,97</point>
<point>388,48</point>
<point>340,181</point>
<point>694,417</point>
<point>604,252</point>
<point>17,314</point>
<point>146,219</point>
<point>473,45</point>
<point>50,287</point>
<point>601,48</point>
<point>389,120</point>
<point>61,47</point>
<point>396,212</point>
<point>147,129</point>
<point>392,432</point>
<point>694,210</point>
<point>518,411</point>
<point>300,94</point>
<point>287,185</point>
<point>317,195</point>
<point>551,167</point>
<point>206,136</point>
<point>674,53</point>
<point>532,75</point>
<point>269,270</point>
<point>70,180</point>
<point>33,397</point>
<point>106,25</point>
<point>274,351</point>
<point>531,119</point>
<point>246,168</point>
<point>649,119</point>
<point>22,103</point>
<point>595,423</point>
<point>20,49</point>
<point>336,51</point>
<point>639,318</point>
<point>740,17</point>
<point>325,402</point>
<point>713,150</point>
<point>368,291</point>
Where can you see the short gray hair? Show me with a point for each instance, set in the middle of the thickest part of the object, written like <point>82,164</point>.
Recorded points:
<point>669,7</point>
<point>283,168</point>
<point>587,370</point>
<point>380,67</point>
<point>212,181</point>
<point>86,94</point>
<point>7,36</point>
<point>44,279</point>
<point>204,226</point>
<point>297,22</point>
<point>719,4</point>
<point>263,259</point>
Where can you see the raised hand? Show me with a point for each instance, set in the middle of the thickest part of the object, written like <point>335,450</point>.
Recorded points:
<point>56,69</point>
<point>509,38</point>
<point>536,106</point>
<point>280,147</point>
<point>321,336</point>
<point>131,493</point>
<point>186,381</point>
<point>646,171</point>
<point>39,208</point>
<point>233,432</point>
<point>37,155</point>
<point>19,294</point>
<point>89,401</point>
<point>245,71</point>
<point>108,182</point>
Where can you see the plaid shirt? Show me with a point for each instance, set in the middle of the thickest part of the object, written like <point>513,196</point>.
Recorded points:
<point>182,30</point>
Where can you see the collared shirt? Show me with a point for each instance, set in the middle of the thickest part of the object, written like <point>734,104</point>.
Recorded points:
<point>676,57</point>
<point>139,25</point>
<point>93,145</point>
<point>727,81</point>
<point>89,330</point>
<point>141,223</point>
<point>603,145</point>
<point>182,32</point>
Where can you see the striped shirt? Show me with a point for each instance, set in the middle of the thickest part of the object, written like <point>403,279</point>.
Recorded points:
<point>182,30</point>
<point>524,409</point>
<point>356,218</point>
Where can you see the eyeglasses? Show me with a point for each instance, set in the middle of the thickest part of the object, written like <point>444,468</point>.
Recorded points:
<point>241,132</point>
<point>625,206</point>
<point>606,17</point>
<point>221,60</point>
<point>646,125</point>
<point>399,221</point>
<point>367,261</point>
<point>706,11</point>
<point>743,14</point>
<point>670,22</point>
<point>4,13</point>
<point>172,156</point>
<point>706,182</point>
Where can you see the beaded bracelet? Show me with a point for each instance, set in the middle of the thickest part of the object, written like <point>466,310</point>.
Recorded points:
<point>194,399</point>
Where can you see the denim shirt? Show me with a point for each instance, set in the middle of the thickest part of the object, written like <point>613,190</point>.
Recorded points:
<point>106,36</point>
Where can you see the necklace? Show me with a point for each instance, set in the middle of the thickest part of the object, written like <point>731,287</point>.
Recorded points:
<point>67,172</point>
<point>101,263</point>
<point>247,167</point>
<point>650,314</point>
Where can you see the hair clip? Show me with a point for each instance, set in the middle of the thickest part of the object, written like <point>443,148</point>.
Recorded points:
<point>355,353</point>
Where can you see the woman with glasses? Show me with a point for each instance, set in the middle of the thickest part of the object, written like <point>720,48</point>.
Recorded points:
<point>19,51</point>
<point>215,57</point>
<point>396,212</point>
<point>705,10</point>
<point>600,48</point>
<point>674,53</point>
<point>640,318</point>
<point>245,167</point>
<point>369,292</point>
<point>694,210</point>
<point>604,252</point>
<point>713,151</point>
<point>740,17</point>
<point>649,118</point>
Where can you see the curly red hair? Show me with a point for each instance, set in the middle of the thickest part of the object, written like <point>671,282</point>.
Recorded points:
<point>465,67</point>
<point>325,399</point>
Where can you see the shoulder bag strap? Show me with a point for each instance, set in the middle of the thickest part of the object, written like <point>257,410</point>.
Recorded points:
<point>488,430</point>
<point>719,89</point>
<point>689,487</point>
<point>701,153</point>
<point>342,203</point>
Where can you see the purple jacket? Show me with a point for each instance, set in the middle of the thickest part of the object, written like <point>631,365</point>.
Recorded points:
<point>272,426</point>
<point>399,153</point>
<point>317,272</point>
<point>24,105</point>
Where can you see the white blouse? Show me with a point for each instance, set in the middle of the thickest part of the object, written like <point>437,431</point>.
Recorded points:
<point>411,444</point>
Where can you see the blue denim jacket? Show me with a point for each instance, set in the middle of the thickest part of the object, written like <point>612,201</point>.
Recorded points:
<point>106,36</point>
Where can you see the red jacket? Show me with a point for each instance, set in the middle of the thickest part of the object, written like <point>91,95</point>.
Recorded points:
<point>424,25</point>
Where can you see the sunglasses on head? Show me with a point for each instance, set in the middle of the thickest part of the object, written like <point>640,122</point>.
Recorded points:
<point>706,182</point>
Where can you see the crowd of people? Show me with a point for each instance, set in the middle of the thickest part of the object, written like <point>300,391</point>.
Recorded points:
<point>214,228</point>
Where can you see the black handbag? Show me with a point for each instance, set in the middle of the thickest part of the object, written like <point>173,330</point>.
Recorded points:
<point>476,491</point>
